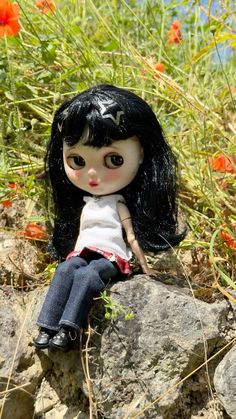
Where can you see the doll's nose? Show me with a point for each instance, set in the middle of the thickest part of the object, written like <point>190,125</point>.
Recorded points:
<point>92,173</point>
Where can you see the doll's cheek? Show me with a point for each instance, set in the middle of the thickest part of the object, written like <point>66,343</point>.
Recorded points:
<point>112,175</point>
<point>117,175</point>
<point>73,175</point>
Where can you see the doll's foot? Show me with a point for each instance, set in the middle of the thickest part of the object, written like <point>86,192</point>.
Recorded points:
<point>63,339</point>
<point>43,338</point>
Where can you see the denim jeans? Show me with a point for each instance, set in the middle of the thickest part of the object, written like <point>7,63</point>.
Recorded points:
<point>75,284</point>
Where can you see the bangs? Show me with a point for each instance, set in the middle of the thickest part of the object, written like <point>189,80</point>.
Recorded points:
<point>85,122</point>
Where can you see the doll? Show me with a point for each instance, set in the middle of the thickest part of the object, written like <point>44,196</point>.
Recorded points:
<point>113,179</point>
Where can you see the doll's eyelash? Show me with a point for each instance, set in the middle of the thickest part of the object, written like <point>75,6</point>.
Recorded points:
<point>76,161</point>
<point>113,161</point>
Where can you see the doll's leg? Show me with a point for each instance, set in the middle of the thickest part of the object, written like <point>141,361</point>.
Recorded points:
<point>56,300</point>
<point>88,282</point>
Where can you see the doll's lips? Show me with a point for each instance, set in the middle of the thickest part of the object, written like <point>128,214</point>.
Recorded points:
<point>93,183</point>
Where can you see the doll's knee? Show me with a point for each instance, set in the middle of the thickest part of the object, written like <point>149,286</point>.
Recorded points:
<point>93,282</point>
<point>76,262</point>
<point>104,268</point>
<point>70,264</point>
<point>89,278</point>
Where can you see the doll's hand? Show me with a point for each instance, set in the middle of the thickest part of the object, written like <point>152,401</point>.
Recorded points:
<point>150,271</point>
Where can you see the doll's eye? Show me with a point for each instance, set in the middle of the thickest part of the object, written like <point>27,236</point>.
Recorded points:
<point>76,162</point>
<point>113,161</point>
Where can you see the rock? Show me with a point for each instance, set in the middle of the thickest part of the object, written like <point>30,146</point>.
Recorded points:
<point>141,359</point>
<point>15,268</point>
<point>63,412</point>
<point>20,368</point>
<point>131,363</point>
<point>225,382</point>
<point>16,359</point>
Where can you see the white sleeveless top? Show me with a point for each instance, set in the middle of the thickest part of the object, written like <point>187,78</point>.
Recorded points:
<point>101,228</point>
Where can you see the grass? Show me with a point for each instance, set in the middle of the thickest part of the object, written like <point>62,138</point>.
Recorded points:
<point>82,43</point>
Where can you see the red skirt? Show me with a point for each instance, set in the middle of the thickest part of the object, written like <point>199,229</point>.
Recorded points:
<point>122,264</point>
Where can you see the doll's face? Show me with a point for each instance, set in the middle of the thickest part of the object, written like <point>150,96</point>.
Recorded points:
<point>102,171</point>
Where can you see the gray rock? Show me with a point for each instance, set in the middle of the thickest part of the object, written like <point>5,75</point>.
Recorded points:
<point>15,359</point>
<point>130,363</point>
<point>225,382</point>
<point>141,359</point>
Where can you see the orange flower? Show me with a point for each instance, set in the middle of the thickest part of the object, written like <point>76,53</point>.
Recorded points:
<point>33,231</point>
<point>13,188</point>
<point>221,163</point>
<point>174,34</point>
<point>45,6</point>
<point>226,237</point>
<point>6,203</point>
<point>9,15</point>
<point>152,68</point>
<point>160,68</point>
<point>12,185</point>
<point>175,25</point>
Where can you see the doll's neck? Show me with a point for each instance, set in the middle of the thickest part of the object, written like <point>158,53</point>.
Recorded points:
<point>97,197</point>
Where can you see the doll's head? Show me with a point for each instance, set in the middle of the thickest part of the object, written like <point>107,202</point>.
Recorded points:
<point>110,128</point>
<point>104,170</point>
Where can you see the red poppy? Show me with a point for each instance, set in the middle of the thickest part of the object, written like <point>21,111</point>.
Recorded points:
<point>6,203</point>
<point>174,34</point>
<point>221,163</point>
<point>33,231</point>
<point>175,25</point>
<point>160,68</point>
<point>45,6</point>
<point>9,15</point>
<point>228,239</point>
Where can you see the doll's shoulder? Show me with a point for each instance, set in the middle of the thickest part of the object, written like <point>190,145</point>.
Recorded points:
<point>114,200</point>
<point>118,198</point>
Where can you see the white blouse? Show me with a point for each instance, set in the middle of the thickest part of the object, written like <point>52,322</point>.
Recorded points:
<point>100,226</point>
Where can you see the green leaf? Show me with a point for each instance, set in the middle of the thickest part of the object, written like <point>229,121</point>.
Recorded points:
<point>9,96</point>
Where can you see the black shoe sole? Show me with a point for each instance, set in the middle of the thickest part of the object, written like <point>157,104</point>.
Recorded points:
<point>38,346</point>
<point>54,347</point>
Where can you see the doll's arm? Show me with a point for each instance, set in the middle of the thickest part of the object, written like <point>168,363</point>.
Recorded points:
<point>126,221</point>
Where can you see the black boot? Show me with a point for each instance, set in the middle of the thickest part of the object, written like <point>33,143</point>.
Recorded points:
<point>63,339</point>
<point>43,338</point>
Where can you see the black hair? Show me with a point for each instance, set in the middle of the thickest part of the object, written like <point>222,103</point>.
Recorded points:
<point>112,113</point>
